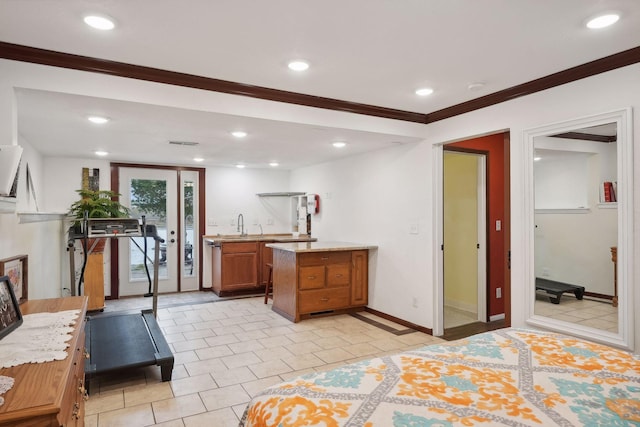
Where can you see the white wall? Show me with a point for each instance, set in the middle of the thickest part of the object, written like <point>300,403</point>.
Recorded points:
<point>374,198</point>
<point>42,242</point>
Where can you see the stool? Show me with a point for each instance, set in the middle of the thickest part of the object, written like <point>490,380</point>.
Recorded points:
<point>269,286</point>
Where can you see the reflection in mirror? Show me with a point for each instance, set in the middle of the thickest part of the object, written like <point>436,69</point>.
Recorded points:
<point>576,226</point>
<point>579,216</point>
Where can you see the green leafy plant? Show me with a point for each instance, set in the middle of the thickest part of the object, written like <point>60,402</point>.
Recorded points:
<point>98,204</point>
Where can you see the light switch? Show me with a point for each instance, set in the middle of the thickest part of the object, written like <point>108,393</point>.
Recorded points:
<point>413,228</point>
<point>498,225</point>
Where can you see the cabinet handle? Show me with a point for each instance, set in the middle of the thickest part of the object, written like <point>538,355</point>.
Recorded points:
<point>324,258</point>
<point>338,275</point>
<point>324,299</point>
<point>311,277</point>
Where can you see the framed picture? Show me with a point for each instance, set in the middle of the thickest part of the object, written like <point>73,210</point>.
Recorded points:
<point>10,315</point>
<point>16,268</point>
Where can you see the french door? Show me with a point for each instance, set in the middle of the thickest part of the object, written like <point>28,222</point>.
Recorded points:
<point>167,199</point>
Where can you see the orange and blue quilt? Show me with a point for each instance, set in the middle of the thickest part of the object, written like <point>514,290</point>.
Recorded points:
<point>513,377</point>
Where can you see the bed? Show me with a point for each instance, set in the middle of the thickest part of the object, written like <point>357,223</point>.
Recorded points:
<point>513,377</point>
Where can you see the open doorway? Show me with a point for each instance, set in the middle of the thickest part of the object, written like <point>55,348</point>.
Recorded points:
<point>497,284</point>
<point>464,233</point>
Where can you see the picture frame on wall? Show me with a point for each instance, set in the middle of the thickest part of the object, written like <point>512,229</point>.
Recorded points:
<point>10,315</point>
<point>17,269</point>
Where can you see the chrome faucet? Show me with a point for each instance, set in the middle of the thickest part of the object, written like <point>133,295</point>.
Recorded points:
<point>241,225</point>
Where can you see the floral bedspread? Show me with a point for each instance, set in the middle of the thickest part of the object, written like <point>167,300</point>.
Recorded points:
<point>512,377</point>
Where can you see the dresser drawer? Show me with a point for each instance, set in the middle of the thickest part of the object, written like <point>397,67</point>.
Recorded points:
<point>240,247</point>
<point>339,274</point>
<point>311,277</point>
<point>324,258</point>
<point>323,299</point>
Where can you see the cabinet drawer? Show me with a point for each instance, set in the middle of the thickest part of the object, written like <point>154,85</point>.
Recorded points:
<point>323,258</point>
<point>240,247</point>
<point>339,275</point>
<point>311,277</point>
<point>323,299</point>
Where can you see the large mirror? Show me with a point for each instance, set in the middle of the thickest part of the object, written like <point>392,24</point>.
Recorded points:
<point>579,215</point>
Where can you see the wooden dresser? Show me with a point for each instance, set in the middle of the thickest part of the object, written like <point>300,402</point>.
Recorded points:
<point>315,279</point>
<point>53,393</point>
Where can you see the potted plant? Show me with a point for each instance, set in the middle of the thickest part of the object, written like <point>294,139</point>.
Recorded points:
<point>97,204</point>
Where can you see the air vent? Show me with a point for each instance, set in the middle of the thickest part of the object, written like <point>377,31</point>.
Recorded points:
<point>189,143</point>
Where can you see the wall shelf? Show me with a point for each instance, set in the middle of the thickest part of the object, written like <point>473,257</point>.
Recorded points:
<point>27,217</point>
<point>282,194</point>
<point>7,204</point>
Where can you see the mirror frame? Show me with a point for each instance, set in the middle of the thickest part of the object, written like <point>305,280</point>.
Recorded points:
<point>624,337</point>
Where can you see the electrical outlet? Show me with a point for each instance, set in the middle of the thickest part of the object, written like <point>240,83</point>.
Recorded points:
<point>212,222</point>
<point>545,272</point>
<point>414,302</point>
<point>498,293</point>
<point>413,228</point>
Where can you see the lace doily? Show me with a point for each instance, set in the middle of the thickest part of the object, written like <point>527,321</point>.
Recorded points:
<point>5,385</point>
<point>42,337</point>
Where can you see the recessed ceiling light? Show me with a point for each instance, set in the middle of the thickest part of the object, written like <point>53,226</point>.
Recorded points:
<point>101,153</point>
<point>99,22</point>
<point>239,134</point>
<point>603,21</point>
<point>198,159</point>
<point>339,144</point>
<point>240,166</point>
<point>98,120</point>
<point>298,65</point>
<point>424,91</point>
<point>274,164</point>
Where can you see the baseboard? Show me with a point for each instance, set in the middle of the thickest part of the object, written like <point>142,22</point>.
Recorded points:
<point>399,321</point>
<point>496,317</point>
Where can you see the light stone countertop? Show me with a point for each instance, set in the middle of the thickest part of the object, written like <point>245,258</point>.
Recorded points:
<point>216,240</point>
<point>327,246</point>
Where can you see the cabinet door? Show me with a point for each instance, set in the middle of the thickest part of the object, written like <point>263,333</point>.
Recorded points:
<point>312,277</point>
<point>360,278</point>
<point>339,274</point>
<point>239,270</point>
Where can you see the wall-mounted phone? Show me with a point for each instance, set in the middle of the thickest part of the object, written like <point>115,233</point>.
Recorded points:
<point>313,203</point>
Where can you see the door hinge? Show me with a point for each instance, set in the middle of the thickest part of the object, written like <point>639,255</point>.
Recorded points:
<point>478,246</point>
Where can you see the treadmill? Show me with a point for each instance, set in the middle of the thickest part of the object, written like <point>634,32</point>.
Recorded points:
<point>122,342</point>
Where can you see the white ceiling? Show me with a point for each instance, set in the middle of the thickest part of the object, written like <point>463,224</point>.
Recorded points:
<point>367,51</point>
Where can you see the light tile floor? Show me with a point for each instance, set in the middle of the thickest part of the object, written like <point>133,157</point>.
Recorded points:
<point>596,314</point>
<point>225,352</point>
<point>455,317</point>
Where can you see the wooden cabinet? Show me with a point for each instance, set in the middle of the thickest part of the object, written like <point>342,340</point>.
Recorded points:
<point>51,393</point>
<point>314,283</point>
<point>235,267</point>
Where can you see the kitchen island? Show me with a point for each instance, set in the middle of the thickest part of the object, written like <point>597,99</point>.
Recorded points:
<point>237,265</point>
<point>313,279</point>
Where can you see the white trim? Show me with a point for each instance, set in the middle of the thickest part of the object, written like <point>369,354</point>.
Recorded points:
<point>564,211</point>
<point>482,237</point>
<point>624,338</point>
<point>438,271</point>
